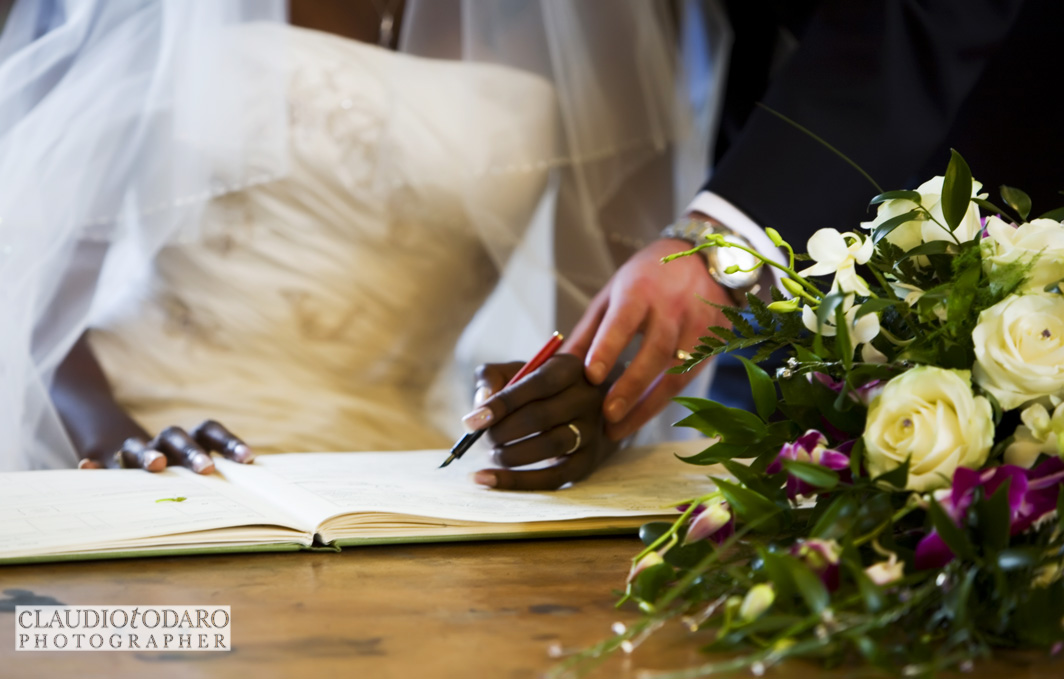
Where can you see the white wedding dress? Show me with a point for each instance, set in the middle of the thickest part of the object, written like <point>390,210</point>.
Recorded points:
<point>314,311</point>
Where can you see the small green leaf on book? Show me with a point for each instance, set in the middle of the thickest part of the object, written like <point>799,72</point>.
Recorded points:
<point>171,499</point>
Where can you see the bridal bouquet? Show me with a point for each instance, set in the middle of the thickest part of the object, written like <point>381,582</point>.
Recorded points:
<point>896,497</point>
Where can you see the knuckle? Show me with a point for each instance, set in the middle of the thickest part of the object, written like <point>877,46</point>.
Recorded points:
<point>659,346</point>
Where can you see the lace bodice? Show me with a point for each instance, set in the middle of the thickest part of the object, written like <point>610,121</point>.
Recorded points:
<point>313,310</point>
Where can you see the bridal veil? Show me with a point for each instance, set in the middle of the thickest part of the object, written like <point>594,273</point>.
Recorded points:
<point>121,119</point>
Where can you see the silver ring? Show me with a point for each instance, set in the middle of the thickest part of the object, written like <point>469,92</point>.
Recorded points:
<point>682,355</point>
<point>579,439</point>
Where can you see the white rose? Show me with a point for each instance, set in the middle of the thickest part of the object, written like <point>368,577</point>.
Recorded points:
<point>913,233</point>
<point>930,417</point>
<point>1019,348</point>
<point>1042,238</point>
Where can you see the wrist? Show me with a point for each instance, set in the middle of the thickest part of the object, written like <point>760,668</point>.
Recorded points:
<point>734,268</point>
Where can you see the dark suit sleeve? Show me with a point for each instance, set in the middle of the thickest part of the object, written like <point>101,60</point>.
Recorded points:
<point>882,81</point>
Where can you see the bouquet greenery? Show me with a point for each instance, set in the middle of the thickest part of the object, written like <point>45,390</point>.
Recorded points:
<point>896,497</point>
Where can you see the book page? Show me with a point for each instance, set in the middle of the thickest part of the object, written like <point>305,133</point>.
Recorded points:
<point>319,486</point>
<point>50,512</point>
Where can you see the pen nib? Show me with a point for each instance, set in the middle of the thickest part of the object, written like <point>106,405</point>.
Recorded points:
<point>451,458</point>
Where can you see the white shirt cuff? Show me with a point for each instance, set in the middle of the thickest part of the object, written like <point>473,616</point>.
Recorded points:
<point>712,205</point>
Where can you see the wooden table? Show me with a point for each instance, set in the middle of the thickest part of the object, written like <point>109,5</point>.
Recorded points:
<point>420,611</point>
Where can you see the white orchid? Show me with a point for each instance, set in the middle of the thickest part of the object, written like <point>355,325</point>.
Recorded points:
<point>921,229</point>
<point>840,253</point>
<point>862,330</point>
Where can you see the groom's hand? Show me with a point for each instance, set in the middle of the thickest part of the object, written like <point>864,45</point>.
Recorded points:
<point>666,304</point>
<point>553,414</point>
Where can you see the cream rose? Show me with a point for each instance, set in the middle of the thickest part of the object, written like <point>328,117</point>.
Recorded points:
<point>930,417</point>
<point>913,233</point>
<point>1019,348</point>
<point>1041,238</point>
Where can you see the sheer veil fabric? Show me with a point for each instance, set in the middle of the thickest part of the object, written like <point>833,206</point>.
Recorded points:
<point>122,121</point>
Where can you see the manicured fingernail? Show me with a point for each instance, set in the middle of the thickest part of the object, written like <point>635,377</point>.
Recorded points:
<point>478,419</point>
<point>242,453</point>
<point>616,409</point>
<point>153,461</point>
<point>202,463</point>
<point>596,372</point>
<point>88,464</point>
<point>486,478</point>
<point>482,394</point>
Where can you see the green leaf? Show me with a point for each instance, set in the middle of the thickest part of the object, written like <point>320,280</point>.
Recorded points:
<point>1056,215</point>
<point>871,593</point>
<point>756,510</point>
<point>935,247</point>
<point>889,225</point>
<point>897,477</point>
<point>877,304</point>
<point>992,517</point>
<point>808,584</point>
<point>760,310</point>
<point>827,308</point>
<point>723,333</point>
<point>762,387</point>
<point>857,456</point>
<point>959,302</point>
<point>956,190</point>
<point>732,425</point>
<point>1017,200</point>
<point>953,536</point>
<point>813,474</point>
<point>991,208</point>
<point>739,322</point>
<point>651,531</point>
<point>913,196</point>
<point>843,345</point>
<point>718,453</point>
<point>749,477</point>
<point>836,521</point>
<point>650,582</point>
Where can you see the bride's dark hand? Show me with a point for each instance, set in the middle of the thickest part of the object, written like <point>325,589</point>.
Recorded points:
<point>554,413</point>
<point>176,447</point>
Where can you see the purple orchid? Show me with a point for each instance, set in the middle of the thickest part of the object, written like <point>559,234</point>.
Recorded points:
<point>1032,495</point>
<point>809,447</point>
<point>822,557</point>
<point>862,394</point>
<point>714,522</point>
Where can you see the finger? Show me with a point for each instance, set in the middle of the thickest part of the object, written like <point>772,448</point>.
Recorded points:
<point>581,336</point>
<point>619,326</point>
<point>560,372</point>
<point>180,449</point>
<point>89,463</point>
<point>491,377</point>
<point>136,454</point>
<point>539,416</point>
<point>568,469</point>
<point>656,354</point>
<point>559,441</point>
<point>656,398</point>
<point>211,435</point>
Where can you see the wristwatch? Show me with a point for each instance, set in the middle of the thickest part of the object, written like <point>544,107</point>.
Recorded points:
<point>718,260</point>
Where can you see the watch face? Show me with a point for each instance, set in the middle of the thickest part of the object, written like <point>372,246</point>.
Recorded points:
<point>724,257</point>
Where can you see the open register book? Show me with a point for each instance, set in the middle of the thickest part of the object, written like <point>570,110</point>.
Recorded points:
<point>323,500</point>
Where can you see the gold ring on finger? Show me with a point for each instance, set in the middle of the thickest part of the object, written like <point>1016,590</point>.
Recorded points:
<point>579,439</point>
